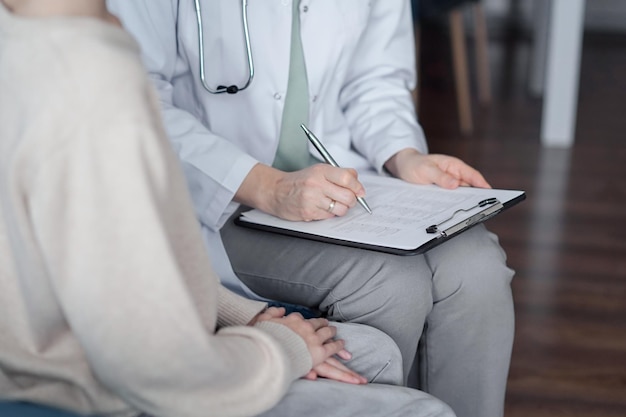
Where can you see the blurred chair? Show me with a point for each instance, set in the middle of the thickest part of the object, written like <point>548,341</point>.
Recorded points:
<point>453,10</point>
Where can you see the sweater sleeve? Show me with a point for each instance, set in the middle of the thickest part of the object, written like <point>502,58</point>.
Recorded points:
<point>115,227</point>
<point>236,310</point>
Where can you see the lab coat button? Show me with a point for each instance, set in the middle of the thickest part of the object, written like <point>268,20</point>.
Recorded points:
<point>305,9</point>
<point>277,96</point>
<point>314,98</point>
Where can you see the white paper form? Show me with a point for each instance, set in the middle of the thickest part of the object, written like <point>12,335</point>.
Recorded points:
<point>401,213</point>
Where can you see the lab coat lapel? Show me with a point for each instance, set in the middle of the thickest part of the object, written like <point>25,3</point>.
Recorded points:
<point>270,24</point>
<point>318,27</point>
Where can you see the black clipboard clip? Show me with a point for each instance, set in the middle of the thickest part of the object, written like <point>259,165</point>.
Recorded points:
<point>493,207</point>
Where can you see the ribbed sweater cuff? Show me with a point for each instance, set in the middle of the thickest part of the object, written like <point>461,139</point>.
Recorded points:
<point>294,346</point>
<point>235,310</point>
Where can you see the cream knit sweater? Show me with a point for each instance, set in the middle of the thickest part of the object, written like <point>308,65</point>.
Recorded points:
<point>108,303</point>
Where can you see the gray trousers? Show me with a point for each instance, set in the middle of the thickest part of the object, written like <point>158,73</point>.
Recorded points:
<point>324,398</point>
<point>375,356</point>
<point>456,298</point>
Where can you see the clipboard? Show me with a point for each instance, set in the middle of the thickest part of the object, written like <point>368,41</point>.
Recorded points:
<point>407,219</point>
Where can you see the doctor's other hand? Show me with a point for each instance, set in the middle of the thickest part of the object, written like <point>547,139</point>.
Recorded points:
<point>318,192</point>
<point>443,170</point>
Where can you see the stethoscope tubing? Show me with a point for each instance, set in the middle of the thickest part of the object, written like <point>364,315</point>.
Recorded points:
<point>232,89</point>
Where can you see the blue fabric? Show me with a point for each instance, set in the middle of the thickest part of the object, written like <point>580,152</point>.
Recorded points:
<point>292,308</point>
<point>22,409</point>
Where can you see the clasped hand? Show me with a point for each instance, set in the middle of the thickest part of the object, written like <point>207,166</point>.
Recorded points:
<point>319,337</point>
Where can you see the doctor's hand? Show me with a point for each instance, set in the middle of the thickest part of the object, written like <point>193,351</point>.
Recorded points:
<point>314,193</point>
<point>443,170</point>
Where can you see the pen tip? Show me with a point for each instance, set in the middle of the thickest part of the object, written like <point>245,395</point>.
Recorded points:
<point>367,208</point>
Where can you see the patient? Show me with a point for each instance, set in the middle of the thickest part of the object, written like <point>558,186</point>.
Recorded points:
<point>108,303</point>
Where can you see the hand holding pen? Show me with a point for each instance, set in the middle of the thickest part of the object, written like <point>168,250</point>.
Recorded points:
<point>331,161</point>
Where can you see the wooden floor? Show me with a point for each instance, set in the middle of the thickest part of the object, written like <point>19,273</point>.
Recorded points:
<point>567,241</point>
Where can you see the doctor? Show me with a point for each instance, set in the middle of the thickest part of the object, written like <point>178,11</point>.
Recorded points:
<point>346,69</point>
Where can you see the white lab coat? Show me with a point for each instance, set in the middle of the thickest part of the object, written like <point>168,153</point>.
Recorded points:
<point>360,66</point>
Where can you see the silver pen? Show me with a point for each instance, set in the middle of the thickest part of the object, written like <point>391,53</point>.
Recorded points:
<point>329,160</point>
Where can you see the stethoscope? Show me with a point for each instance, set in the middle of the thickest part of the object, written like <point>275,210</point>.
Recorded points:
<point>231,89</point>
